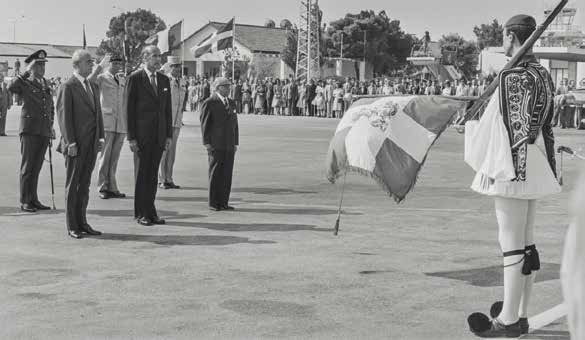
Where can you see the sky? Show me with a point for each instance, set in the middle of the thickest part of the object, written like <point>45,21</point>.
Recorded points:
<point>61,21</point>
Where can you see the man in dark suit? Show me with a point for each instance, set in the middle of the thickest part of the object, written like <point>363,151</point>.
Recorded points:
<point>5,104</point>
<point>149,109</point>
<point>82,137</point>
<point>36,126</point>
<point>219,127</point>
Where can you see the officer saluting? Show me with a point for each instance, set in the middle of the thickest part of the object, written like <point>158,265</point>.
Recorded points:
<point>36,126</point>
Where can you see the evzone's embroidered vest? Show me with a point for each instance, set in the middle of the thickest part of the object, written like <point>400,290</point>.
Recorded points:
<point>526,103</point>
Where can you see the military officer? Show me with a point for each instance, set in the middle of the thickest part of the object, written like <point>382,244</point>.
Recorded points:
<point>109,77</point>
<point>178,102</point>
<point>5,104</point>
<point>36,126</point>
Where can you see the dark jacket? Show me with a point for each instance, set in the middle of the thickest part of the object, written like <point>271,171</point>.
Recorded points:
<point>38,109</point>
<point>80,122</point>
<point>149,113</point>
<point>219,126</point>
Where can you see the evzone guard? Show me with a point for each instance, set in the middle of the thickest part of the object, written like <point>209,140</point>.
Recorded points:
<point>524,102</point>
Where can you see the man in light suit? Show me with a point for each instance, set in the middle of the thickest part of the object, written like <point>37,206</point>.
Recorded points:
<point>178,102</point>
<point>111,81</point>
<point>219,128</point>
<point>82,137</point>
<point>150,132</point>
<point>5,104</point>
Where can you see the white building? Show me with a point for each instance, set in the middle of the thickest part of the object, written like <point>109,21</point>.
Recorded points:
<point>58,56</point>
<point>261,45</point>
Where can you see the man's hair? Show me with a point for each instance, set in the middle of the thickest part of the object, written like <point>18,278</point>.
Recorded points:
<point>521,32</point>
<point>78,55</point>
<point>147,51</point>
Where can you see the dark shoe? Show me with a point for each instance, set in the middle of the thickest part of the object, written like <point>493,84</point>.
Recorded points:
<point>86,228</point>
<point>118,194</point>
<point>158,220</point>
<point>173,186</point>
<point>496,309</point>
<point>105,195</point>
<point>228,207</point>
<point>144,221</point>
<point>164,186</point>
<point>214,208</point>
<point>40,206</point>
<point>481,326</point>
<point>75,234</point>
<point>2,135</point>
<point>27,207</point>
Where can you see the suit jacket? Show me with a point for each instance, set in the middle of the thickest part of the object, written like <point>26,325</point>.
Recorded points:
<point>38,109</point>
<point>5,99</point>
<point>78,119</point>
<point>149,113</point>
<point>219,125</point>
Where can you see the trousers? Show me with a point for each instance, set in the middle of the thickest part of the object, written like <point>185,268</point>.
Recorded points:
<point>167,162</point>
<point>146,163</point>
<point>108,161</point>
<point>33,149</point>
<point>77,182</point>
<point>221,167</point>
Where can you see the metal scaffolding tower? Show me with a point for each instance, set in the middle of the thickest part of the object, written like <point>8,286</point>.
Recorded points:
<point>308,50</point>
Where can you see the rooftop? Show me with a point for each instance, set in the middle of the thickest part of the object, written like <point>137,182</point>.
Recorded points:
<point>14,49</point>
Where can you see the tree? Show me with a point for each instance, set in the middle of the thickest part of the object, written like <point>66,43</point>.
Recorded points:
<point>387,46</point>
<point>289,53</point>
<point>460,53</point>
<point>240,66</point>
<point>135,27</point>
<point>489,35</point>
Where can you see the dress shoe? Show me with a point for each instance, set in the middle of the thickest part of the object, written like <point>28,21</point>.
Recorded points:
<point>2,135</point>
<point>144,221</point>
<point>214,208</point>
<point>28,207</point>
<point>75,234</point>
<point>227,207</point>
<point>496,309</point>
<point>118,194</point>
<point>105,195</point>
<point>481,326</point>
<point>158,220</point>
<point>173,186</point>
<point>40,206</point>
<point>164,186</point>
<point>86,228</point>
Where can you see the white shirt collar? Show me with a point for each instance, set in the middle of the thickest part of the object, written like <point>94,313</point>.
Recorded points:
<point>80,78</point>
<point>150,73</point>
<point>223,99</point>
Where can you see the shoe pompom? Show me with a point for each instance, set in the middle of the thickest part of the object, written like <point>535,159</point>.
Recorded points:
<point>496,309</point>
<point>479,322</point>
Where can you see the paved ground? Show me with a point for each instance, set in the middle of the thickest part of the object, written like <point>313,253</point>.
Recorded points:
<point>272,269</point>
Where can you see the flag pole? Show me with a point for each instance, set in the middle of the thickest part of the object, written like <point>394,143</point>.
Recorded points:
<point>183,48</point>
<point>336,228</point>
<point>234,51</point>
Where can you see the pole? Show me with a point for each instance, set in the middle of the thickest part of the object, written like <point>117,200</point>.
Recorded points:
<point>365,47</point>
<point>234,51</point>
<point>51,171</point>
<point>14,31</point>
<point>309,29</point>
<point>183,48</point>
<point>336,228</point>
<point>341,45</point>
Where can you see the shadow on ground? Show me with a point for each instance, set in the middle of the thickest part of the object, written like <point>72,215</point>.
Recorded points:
<point>130,213</point>
<point>297,211</point>
<point>180,240</point>
<point>241,227</point>
<point>493,276</point>
<point>202,199</point>
<point>261,191</point>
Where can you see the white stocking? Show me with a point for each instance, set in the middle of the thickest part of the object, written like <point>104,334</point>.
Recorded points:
<point>512,215</point>
<point>529,240</point>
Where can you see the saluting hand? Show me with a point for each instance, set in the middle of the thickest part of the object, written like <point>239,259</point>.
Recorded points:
<point>105,63</point>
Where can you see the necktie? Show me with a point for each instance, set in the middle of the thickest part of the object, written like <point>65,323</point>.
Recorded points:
<point>89,93</point>
<point>153,83</point>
